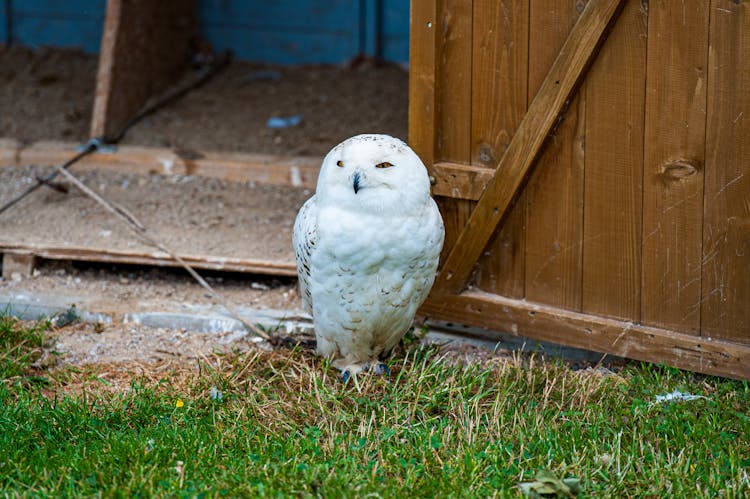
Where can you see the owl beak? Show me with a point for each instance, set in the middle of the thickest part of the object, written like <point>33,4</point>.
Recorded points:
<point>355,181</point>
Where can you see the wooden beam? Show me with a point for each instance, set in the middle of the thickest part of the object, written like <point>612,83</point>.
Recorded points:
<point>9,151</point>
<point>592,332</point>
<point>423,29</point>
<point>526,145</point>
<point>157,258</point>
<point>145,47</point>
<point>17,263</point>
<point>455,180</point>
<point>295,171</point>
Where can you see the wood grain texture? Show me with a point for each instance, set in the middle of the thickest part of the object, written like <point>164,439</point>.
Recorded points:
<point>157,258</point>
<point>454,81</point>
<point>422,79</point>
<point>673,164</point>
<point>554,193</point>
<point>453,103</point>
<point>615,99</point>
<point>459,181</point>
<point>525,146</point>
<point>145,47</point>
<point>592,332</point>
<point>499,92</point>
<point>725,311</point>
<point>295,171</point>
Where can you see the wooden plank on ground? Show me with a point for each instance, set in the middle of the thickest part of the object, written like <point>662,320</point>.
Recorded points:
<point>614,169</point>
<point>453,104</point>
<point>294,171</point>
<point>9,152</point>
<point>422,79</point>
<point>526,144</point>
<point>554,193</point>
<point>499,101</point>
<point>17,263</point>
<point>157,258</point>
<point>673,164</point>
<point>592,332</point>
<point>145,47</point>
<point>726,227</point>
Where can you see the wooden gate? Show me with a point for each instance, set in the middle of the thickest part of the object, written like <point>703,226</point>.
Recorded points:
<point>592,164</point>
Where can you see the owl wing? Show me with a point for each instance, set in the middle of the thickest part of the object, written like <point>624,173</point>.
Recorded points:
<point>303,239</point>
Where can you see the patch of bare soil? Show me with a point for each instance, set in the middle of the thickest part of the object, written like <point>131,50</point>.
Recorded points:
<point>118,351</point>
<point>190,215</point>
<point>126,288</point>
<point>48,95</point>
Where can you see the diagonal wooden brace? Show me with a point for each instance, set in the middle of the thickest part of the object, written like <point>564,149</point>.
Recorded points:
<point>525,147</point>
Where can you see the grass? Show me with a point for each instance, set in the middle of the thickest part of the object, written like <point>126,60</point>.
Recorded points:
<point>284,425</point>
<point>20,346</point>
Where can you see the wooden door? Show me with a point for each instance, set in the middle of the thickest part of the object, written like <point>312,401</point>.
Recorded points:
<point>587,160</point>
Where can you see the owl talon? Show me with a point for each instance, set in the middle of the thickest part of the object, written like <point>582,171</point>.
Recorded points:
<point>345,375</point>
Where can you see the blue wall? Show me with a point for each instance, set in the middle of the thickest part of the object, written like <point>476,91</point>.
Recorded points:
<point>71,23</point>
<point>275,31</point>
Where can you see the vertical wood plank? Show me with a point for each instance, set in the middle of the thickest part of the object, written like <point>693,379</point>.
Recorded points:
<point>145,47</point>
<point>554,194</point>
<point>499,102</point>
<point>615,99</point>
<point>673,163</point>
<point>453,98</point>
<point>422,79</point>
<point>453,103</point>
<point>725,309</point>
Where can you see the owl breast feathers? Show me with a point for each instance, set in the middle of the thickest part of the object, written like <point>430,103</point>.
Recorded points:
<point>367,247</point>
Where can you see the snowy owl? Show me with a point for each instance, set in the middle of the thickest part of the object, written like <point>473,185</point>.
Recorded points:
<point>367,245</point>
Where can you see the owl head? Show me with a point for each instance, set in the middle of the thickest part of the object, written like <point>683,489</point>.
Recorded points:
<point>373,172</point>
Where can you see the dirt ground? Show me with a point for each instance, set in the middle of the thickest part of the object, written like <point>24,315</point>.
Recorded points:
<point>190,215</point>
<point>116,290</point>
<point>48,95</point>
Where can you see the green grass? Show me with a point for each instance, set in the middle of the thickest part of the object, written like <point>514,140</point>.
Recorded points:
<point>20,345</point>
<point>285,425</point>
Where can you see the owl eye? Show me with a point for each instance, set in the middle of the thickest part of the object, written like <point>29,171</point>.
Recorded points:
<point>340,164</point>
<point>384,164</point>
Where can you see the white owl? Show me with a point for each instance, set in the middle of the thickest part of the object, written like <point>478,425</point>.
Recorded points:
<point>367,246</point>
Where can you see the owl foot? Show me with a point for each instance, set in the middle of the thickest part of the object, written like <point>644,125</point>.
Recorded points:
<point>377,368</point>
<point>381,368</point>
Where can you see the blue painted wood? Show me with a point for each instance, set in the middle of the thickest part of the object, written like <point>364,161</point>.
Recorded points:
<point>74,23</point>
<point>3,23</point>
<point>274,31</point>
<point>283,31</point>
<point>395,30</point>
<point>282,47</point>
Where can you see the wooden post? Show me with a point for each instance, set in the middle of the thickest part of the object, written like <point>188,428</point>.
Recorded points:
<point>145,47</point>
<point>17,265</point>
